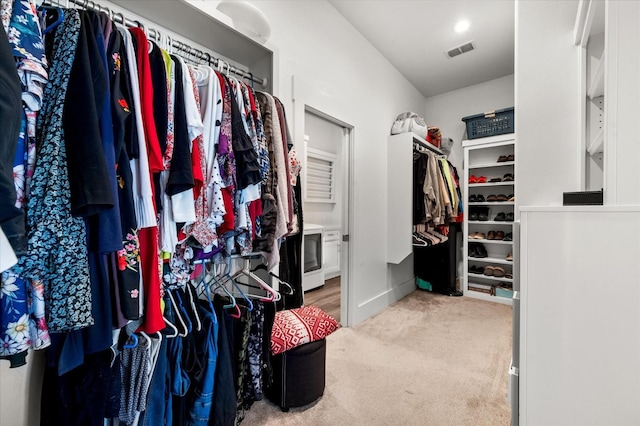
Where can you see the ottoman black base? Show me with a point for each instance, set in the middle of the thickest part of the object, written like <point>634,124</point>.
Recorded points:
<point>298,375</point>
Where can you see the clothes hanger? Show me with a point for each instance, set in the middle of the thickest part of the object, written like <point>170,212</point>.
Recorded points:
<point>235,285</point>
<point>169,324</point>
<point>192,303</point>
<point>176,311</point>
<point>289,289</point>
<point>57,21</point>
<point>183,309</point>
<point>133,337</point>
<point>273,295</point>
<point>209,288</point>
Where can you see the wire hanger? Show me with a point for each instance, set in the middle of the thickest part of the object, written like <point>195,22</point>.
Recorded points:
<point>176,311</point>
<point>235,285</point>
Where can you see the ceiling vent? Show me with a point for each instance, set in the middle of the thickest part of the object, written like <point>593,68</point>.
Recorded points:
<point>459,50</point>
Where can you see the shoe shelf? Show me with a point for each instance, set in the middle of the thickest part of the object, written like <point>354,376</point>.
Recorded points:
<point>490,260</point>
<point>489,277</point>
<point>487,165</point>
<point>493,203</point>
<point>488,297</point>
<point>481,159</point>
<point>489,222</point>
<point>476,240</point>
<point>478,185</point>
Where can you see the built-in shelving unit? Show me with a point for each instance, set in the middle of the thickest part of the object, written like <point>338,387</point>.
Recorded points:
<point>481,158</point>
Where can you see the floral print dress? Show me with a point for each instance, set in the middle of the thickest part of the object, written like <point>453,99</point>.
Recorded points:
<point>57,254</point>
<point>22,322</point>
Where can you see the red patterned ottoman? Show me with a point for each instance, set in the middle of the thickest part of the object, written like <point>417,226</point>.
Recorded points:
<point>298,348</point>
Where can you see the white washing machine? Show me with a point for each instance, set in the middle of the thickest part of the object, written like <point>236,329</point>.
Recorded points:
<point>312,256</point>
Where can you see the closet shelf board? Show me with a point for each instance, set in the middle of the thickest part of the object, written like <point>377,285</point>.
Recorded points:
<point>476,240</point>
<point>490,222</point>
<point>488,277</point>
<point>488,297</point>
<point>597,144</point>
<point>493,203</point>
<point>486,165</point>
<point>476,185</point>
<point>490,260</point>
<point>491,139</point>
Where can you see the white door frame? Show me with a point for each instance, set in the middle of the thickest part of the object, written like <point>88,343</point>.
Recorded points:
<point>302,103</point>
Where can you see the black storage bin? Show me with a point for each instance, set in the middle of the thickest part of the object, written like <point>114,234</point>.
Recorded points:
<point>298,375</point>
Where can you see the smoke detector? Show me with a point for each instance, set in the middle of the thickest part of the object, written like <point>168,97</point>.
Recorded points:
<point>459,50</point>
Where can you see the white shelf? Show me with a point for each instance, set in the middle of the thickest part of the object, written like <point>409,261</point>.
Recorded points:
<point>487,165</point>
<point>491,139</point>
<point>596,88</point>
<point>488,297</point>
<point>490,222</point>
<point>478,185</point>
<point>491,260</point>
<point>493,203</point>
<point>597,144</point>
<point>476,240</point>
<point>489,277</point>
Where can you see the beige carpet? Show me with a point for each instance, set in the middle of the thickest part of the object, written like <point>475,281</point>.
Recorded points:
<point>426,360</point>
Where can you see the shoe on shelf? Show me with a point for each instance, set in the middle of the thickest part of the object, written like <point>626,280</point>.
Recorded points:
<point>483,216</point>
<point>508,177</point>
<point>498,271</point>
<point>480,198</point>
<point>481,250</point>
<point>499,235</point>
<point>491,235</point>
<point>491,197</point>
<point>509,257</point>
<point>511,157</point>
<point>508,276</point>
<point>472,198</point>
<point>509,217</point>
<point>482,179</point>
<point>501,197</point>
<point>473,179</point>
<point>508,237</point>
<point>500,217</point>
<point>502,159</point>
<point>495,179</point>
<point>473,216</point>
<point>511,197</point>
<point>488,270</point>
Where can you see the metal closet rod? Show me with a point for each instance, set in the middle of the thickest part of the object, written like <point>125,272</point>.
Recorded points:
<point>157,35</point>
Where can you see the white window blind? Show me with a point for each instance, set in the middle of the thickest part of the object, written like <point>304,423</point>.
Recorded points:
<point>320,172</point>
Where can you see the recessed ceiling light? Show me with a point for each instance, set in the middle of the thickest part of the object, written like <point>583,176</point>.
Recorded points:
<point>461,26</point>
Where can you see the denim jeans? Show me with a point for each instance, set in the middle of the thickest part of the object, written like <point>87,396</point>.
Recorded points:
<point>207,344</point>
<point>156,404</point>
<point>11,218</point>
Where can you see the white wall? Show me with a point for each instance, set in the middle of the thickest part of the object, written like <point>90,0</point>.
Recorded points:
<point>338,72</point>
<point>327,137</point>
<point>547,114</point>
<point>446,110</point>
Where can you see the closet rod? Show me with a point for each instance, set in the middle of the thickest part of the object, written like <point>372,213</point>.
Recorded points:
<point>156,35</point>
<point>427,146</point>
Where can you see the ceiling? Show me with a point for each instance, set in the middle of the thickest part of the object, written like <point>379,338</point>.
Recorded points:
<point>415,34</point>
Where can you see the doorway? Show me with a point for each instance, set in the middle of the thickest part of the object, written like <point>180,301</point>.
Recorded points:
<point>325,185</point>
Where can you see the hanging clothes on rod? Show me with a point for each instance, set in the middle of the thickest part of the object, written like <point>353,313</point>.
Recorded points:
<point>437,198</point>
<point>195,55</point>
<point>144,163</point>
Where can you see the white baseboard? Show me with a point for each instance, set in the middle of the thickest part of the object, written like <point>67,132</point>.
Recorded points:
<point>378,303</point>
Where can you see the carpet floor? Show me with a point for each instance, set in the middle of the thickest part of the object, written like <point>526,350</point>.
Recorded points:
<point>426,360</point>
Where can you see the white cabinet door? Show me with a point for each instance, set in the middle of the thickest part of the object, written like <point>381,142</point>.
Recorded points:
<point>332,247</point>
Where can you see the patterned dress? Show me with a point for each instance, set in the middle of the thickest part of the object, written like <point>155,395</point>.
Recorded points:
<point>57,254</point>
